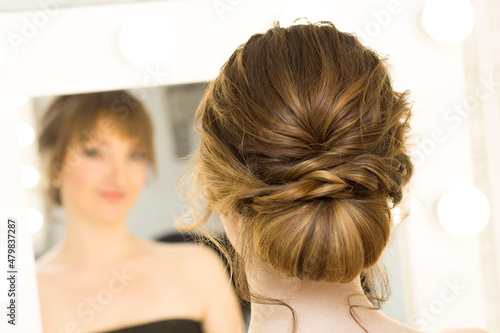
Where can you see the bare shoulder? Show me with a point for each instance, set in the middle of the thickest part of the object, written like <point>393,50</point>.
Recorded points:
<point>196,258</point>
<point>185,249</point>
<point>463,330</point>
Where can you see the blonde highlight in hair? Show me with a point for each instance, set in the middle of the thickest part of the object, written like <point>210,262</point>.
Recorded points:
<point>303,138</point>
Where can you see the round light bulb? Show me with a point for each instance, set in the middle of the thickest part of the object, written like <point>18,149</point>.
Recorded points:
<point>146,40</point>
<point>25,135</point>
<point>463,211</point>
<point>448,21</point>
<point>30,176</point>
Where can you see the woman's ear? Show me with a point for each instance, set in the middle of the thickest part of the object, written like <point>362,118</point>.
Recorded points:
<point>230,222</point>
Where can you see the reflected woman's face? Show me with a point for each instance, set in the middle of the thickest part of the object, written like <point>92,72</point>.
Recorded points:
<point>103,177</point>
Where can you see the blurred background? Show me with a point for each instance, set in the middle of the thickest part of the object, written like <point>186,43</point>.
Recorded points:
<point>444,260</point>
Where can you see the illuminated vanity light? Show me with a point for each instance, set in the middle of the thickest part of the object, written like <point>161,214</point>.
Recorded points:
<point>25,135</point>
<point>463,211</point>
<point>30,176</point>
<point>34,220</point>
<point>300,10</point>
<point>448,21</point>
<point>146,40</point>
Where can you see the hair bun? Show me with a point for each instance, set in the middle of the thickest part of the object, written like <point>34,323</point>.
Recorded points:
<point>304,137</point>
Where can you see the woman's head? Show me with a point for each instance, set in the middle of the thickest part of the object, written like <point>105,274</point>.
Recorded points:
<point>95,149</point>
<point>303,141</point>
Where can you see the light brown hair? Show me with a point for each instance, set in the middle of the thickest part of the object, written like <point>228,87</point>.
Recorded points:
<point>75,118</point>
<point>303,138</point>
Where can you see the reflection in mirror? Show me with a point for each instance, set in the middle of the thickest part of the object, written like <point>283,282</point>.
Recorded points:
<point>98,151</point>
<point>171,109</point>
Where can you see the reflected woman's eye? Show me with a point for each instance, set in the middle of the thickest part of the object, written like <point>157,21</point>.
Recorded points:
<point>91,152</point>
<point>137,155</point>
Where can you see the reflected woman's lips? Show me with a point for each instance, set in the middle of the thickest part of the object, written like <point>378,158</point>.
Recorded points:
<point>112,195</point>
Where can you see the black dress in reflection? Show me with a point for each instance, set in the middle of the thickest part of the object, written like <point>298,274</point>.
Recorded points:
<point>163,326</point>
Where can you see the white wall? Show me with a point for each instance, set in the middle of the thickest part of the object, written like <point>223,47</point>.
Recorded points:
<point>77,51</point>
